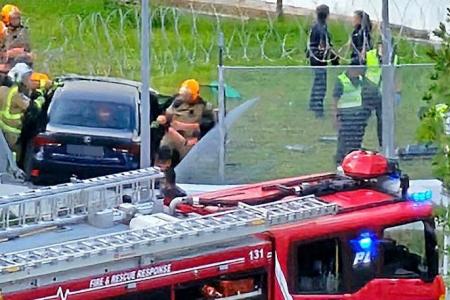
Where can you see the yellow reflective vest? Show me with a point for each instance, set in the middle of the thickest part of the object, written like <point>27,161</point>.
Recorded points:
<point>11,119</point>
<point>373,67</point>
<point>351,96</point>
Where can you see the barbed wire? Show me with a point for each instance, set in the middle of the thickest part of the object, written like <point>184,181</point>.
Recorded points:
<point>108,43</point>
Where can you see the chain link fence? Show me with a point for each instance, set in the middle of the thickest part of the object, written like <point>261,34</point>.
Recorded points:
<point>279,135</point>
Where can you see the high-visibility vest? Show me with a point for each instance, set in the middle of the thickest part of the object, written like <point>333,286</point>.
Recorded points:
<point>6,117</point>
<point>373,67</point>
<point>351,96</point>
<point>394,58</point>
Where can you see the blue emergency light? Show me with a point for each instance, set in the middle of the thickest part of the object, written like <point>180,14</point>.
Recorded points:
<point>420,196</point>
<point>364,247</point>
<point>365,241</point>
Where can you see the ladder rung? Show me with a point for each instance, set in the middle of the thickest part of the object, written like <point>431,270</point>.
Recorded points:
<point>87,246</point>
<point>101,243</point>
<point>148,234</point>
<point>6,262</point>
<point>66,250</point>
<point>18,257</point>
<point>164,231</point>
<point>129,237</point>
<point>197,224</point>
<point>116,239</point>
<point>214,221</point>
<point>179,228</point>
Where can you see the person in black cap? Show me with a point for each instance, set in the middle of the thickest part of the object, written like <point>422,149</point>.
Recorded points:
<point>319,52</point>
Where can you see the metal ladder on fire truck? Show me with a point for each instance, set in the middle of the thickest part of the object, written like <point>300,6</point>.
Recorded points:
<point>189,232</point>
<point>68,203</point>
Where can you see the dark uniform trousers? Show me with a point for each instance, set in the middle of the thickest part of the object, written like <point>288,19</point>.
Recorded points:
<point>372,103</point>
<point>353,122</point>
<point>318,91</point>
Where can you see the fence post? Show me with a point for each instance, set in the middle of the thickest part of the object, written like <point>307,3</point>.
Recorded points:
<point>388,89</point>
<point>221,102</point>
<point>279,8</point>
<point>145,77</point>
<point>444,201</point>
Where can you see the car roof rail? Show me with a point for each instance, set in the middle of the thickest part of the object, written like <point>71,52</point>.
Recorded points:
<point>132,83</point>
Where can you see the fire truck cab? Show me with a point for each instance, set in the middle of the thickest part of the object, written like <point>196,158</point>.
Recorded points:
<point>362,234</point>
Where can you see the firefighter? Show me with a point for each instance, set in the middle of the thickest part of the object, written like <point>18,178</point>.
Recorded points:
<point>185,121</point>
<point>350,114</point>
<point>17,46</point>
<point>14,102</point>
<point>35,118</point>
<point>16,33</point>
<point>361,39</point>
<point>319,52</point>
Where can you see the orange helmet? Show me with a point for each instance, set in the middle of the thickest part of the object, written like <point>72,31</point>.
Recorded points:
<point>192,87</point>
<point>7,11</point>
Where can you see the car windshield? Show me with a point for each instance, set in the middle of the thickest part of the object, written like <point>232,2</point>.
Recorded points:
<point>95,114</point>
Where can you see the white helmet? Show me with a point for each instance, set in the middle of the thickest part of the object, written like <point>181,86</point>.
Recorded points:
<point>18,73</point>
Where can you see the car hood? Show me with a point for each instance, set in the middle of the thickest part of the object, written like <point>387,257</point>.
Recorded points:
<point>102,132</point>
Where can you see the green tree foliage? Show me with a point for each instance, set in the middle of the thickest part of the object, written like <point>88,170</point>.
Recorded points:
<point>437,98</point>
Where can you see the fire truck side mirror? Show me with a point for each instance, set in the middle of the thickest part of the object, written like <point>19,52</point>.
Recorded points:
<point>404,185</point>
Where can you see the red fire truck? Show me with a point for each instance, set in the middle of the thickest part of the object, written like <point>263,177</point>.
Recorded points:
<point>362,234</point>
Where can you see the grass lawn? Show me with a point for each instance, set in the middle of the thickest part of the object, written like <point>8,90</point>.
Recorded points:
<point>257,143</point>
<point>98,37</point>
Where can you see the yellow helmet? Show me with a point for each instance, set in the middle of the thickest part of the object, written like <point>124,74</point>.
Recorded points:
<point>39,80</point>
<point>39,76</point>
